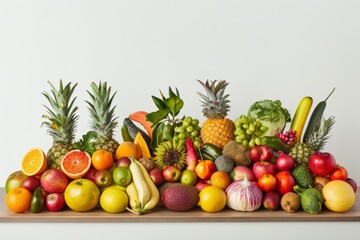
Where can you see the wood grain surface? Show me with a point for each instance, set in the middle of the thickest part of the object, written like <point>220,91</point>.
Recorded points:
<point>161,214</point>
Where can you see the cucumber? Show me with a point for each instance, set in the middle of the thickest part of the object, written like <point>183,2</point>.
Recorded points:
<point>275,143</point>
<point>133,130</point>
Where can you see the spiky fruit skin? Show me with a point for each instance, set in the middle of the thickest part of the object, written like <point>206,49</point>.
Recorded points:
<point>217,131</point>
<point>301,152</point>
<point>109,145</point>
<point>170,153</point>
<point>56,153</point>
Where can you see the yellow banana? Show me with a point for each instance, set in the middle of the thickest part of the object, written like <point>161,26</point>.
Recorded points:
<point>133,194</point>
<point>140,182</point>
<point>155,195</point>
<point>300,117</point>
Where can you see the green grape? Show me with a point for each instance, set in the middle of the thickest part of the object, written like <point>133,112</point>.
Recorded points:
<point>257,141</point>
<point>238,139</point>
<point>196,144</point>
<point>252,127</point>
<point>252,142</point>
<point>182,136</point>
<point>237,122</point>
<point>248,131</point>
<point>189,129</point>
<point>195,122</point>
<point>263,128</point>
<point>198,139</point>
<point>194,133</point>
<point>176,138</point>
<point>181,129</point>
<point>245,142</point>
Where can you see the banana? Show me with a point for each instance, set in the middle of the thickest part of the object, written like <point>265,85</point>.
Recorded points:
<point>155,195</point>
<point>133,194</point>
<point>140,182</point>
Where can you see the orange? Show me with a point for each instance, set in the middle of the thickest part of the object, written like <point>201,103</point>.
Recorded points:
<point>34,162</point>
<point>102,159</point>
<point>19,199</point>
<point>127,149</point>
<point>212,199</point>
<point>220,179</point>
<point>75,164</point>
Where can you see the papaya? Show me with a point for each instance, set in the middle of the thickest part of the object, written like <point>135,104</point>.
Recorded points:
<point>140,117</point>
<point>145,151</point>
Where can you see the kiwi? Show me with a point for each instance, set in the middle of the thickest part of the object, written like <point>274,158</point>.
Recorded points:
<point>290,202</point>
<point>238,152</point>
<point>180,197</point>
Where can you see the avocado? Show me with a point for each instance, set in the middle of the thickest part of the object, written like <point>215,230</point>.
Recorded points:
<point>302,176</point>
<point>180,197</point>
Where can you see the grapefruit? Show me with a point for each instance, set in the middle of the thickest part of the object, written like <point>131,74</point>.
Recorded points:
<point>338,196</point>
<point>75,164</point>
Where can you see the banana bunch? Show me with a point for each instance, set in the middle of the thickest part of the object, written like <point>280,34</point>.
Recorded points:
<point>142,192</point>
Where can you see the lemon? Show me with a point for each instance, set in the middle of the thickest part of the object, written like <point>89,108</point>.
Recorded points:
<point>338,196</point>
<point>114,200</point>
<point>212,199</point>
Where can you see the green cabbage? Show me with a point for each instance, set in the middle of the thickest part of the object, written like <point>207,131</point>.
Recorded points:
<point>271,114</point>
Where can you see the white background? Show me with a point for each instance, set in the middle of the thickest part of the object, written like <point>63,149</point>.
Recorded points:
<point>266,50</point>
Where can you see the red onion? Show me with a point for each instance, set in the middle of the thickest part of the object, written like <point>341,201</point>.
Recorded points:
<point>243,196</point>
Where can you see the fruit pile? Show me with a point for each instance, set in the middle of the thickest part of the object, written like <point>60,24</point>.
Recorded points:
<point>165,160</point>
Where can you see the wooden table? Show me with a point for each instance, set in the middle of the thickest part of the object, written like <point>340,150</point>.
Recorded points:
<point>164,215</point>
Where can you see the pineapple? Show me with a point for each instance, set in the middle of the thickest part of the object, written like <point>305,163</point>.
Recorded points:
<point>217,129</point>
<point>61,122</point>
<point>315,141</point>
<point>103,121</point>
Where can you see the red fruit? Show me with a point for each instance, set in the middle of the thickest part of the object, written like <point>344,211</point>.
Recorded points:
<point>260,168</point>
<point>267,182</point>
<point>54,202</point>
<point>321,163</point>
<point>285,182</point>
<point>238,173</point>
<point>352,183</point>
<point>338,173</point>
<point>54,181</point>
<point>204,169</point>
<point>31,183</point>
<point>260,153</point>
<point>271,200</point>
<point>157,176</point>
<point>284,162</point>
<point>171,173</point>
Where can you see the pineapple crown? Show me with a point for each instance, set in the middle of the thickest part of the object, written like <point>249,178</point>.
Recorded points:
<point>62,118</point>
<point>215,104</point>
<point>103,121</point>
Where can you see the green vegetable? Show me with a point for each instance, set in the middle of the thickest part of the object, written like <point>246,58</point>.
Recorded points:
<point>311,199</point>
<point>316,116</point>
<point>37,201</point>
<point>271,115</point>
<point>275,143</point>
<point>302,176</point>
<point>209,151</point>
<point>125,134</point>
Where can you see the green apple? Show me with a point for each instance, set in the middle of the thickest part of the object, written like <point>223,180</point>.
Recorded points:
<point>188,177</point>
<point>14,180</point>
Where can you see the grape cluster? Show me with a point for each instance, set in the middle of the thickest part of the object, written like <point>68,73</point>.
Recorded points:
<point>248,132</point>
<point>189,128</point>
<point>288,137</point>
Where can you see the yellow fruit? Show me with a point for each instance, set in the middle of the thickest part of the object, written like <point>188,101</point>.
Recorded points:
<point>82,195</point>
<point>127,149</point>
<point>212,199</point>
<point>217,131</point>
<point>139,140</point>
<point>34,162</point>
<point>220,179</point>
<point>338,196</point>
<point>114,200</point>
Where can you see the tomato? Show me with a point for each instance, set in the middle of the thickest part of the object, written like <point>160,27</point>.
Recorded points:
<point>285,182</point>
<point>338,173</point>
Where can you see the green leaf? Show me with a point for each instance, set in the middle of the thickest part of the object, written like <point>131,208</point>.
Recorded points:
<point>175,104</point>
<point>162,132</point>
<point>156,117</point>
<point>160,104</point>
<point>171,93</point>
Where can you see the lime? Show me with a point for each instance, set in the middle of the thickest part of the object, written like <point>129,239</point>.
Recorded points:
<point>122,176</point>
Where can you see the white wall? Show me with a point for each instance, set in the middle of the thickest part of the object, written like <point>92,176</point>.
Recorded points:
<point>265,49</point>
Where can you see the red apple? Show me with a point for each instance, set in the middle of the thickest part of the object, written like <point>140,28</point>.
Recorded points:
<point>202,184</point>
<point>339,173</point>
<point>157,176</point>
<point>352,183</point>
<point>55,202</point>
<point>238,173</point>
<point>171,173</point>
<point>267,182</point>
<point>103,178</point>
<point>271,200</point>
<point>123,162</point>
<point>285,182</point>
<point>260,153</point>
<point>31,183</point>
<point>91,174</point>
<point>321,163</point>
<point>284,162</point>
<point>260,168</point>
<point>54,181</point>
<point>14,180</point>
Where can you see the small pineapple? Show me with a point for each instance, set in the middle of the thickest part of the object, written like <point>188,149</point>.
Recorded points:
<point>217,129</point>
<point>62,122</point>
<point>103,121</point>
<point>315,141</point>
